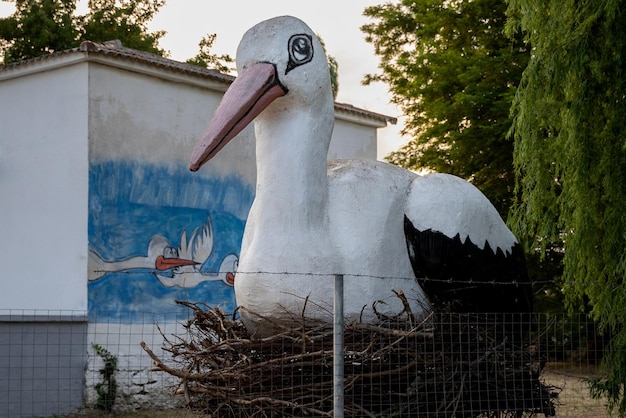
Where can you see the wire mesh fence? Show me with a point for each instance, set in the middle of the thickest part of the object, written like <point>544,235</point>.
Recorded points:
<point>42,356</point>
<point>441,365</point>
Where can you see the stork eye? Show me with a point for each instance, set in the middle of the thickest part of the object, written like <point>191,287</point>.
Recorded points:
<point>300,51</point>
<point>169,252</point>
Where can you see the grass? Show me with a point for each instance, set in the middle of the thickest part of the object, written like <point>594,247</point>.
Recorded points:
<point>575,400</point>
<point>173,413</point>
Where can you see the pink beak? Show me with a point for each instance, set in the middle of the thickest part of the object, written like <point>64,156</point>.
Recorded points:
<point>250,93</point>
<point>230,278</point>
<point>163,263</point>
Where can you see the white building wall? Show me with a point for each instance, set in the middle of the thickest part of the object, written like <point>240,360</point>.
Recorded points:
<point>158,121</point>
<point>352,141</point>
<point>126,108</point>
<point>58,120</point>
<point>44,186</point>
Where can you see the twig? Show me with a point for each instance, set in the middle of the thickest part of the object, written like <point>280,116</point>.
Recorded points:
<point>394,332</point>
<point>392,367</point>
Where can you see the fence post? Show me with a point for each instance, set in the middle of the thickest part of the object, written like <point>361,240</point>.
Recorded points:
<point>338,347</point>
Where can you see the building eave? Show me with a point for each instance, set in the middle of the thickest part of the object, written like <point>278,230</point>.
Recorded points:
<point>114,54</point>
<point>351,113</point>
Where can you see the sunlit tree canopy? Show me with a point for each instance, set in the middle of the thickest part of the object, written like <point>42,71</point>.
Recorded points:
<point>570,157</point>
<point>453,72</point>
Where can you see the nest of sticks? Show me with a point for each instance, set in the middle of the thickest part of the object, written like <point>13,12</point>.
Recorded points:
<point>443,365</point>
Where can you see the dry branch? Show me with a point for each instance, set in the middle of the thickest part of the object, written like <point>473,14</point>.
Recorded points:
<point>444,365</point>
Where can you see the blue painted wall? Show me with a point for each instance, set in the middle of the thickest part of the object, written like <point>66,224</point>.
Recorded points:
<point>130,203</point>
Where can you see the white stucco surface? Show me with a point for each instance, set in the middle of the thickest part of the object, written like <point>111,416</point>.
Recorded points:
<point>352,141</point>
<point>131,115</point>
<point>307,224</point>
<point>44,185</point>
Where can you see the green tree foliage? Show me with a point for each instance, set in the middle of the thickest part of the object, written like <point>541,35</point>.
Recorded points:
<point>38,27</point>
<point>570,157</point>
<point>334,69</point>
<point>334,75</point>
<point>126,20</point>
<point>454,73</point>
<point>42,26</point>
<point>206,59</point>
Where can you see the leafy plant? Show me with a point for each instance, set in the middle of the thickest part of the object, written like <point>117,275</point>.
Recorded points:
<point>107,389</point>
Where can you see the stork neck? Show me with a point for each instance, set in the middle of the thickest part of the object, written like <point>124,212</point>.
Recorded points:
<point>292,147</point>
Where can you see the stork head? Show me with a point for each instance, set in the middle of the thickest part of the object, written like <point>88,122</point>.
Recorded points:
<point>280,62</point>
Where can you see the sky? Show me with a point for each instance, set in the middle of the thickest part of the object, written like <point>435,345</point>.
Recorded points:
<point>336,21</point>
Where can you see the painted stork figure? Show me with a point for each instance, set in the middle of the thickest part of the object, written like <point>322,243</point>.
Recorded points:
<point>381,226</point>
<point>161,256</point>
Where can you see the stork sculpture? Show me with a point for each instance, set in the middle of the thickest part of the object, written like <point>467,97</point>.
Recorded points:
<point>435,237</point>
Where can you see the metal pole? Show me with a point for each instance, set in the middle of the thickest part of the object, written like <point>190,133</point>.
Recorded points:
<point>338,348</point>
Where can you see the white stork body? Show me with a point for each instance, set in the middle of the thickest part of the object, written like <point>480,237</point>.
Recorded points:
<point>310,221</point>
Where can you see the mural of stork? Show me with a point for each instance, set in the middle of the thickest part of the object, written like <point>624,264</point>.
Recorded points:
<point>184,262</point>
<point>435,237</point>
